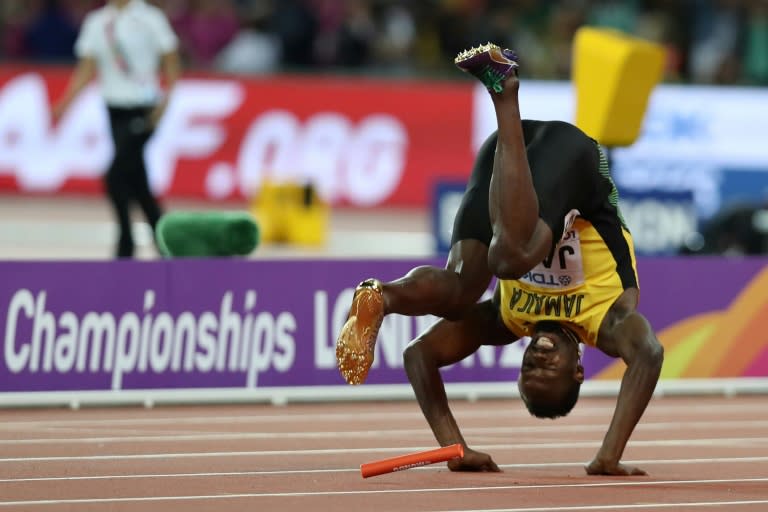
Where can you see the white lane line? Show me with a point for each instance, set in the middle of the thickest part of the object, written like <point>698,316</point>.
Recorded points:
<point>367,414</point>
<point>624,483</point>
<point>750,442</point>
<point>629,506</point>
<point>367,434</point>
<point>656,462</point>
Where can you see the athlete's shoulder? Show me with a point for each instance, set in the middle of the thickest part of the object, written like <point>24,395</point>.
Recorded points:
<point>150,11</point>
<point>96,15</point>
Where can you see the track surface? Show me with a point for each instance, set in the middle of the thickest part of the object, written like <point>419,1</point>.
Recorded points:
<point>703,453</point>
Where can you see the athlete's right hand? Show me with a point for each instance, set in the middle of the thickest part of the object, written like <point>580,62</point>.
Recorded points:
<point>614,468</point>
<point>57,112</point>
<point>474,461</point>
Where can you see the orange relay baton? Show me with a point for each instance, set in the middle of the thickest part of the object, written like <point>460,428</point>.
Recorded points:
<point>411,460</point>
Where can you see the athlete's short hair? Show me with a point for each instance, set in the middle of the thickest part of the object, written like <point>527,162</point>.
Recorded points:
<point>548,409</point>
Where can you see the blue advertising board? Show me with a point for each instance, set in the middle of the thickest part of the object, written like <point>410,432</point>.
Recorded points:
<point>446,198</point>
<point>661,221</point>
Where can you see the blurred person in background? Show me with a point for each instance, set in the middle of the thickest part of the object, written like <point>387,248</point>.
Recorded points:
<point>717,28</point>
<point>356,36</point>
<point>16,15</point>
<point>737,230</point>
<point>50,34</point>
<point>205,28</point>
<point>296,26</point>
<point>253,49</point>
<point>708,41</point>
<point>396,42</point>
<point>127,43</point>
<point>756,44</point>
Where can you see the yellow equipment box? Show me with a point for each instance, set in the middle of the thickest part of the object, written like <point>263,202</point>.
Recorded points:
<point>614,75</point>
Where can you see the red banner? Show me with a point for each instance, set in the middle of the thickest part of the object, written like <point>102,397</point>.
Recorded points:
<point>360,141</point>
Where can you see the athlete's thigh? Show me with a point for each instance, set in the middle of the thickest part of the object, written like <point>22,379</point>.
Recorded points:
<point>468,260</point>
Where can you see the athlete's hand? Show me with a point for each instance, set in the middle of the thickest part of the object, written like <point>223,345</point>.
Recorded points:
<point>157,113</point>
<point>58,110</point>
<point>601,467</point>
<point>474,461</point>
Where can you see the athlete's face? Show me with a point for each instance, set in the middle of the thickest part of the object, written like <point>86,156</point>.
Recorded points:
<point>550,368</point>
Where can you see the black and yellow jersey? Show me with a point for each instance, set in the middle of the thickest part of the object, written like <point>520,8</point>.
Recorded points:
<point>576,285</point>
<point>592,260</point>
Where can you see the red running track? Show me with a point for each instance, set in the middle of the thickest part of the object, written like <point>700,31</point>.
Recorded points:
<point>702,453</point>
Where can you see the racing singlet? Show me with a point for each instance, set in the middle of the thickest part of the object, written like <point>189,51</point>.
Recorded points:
<point>576,285</point>
<point>593,261</point>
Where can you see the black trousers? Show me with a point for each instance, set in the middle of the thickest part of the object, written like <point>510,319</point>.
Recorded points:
<point>126,180</point>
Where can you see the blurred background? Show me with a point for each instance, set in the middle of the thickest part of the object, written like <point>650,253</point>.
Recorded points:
<point>708,41</point>
<point>696,181</point>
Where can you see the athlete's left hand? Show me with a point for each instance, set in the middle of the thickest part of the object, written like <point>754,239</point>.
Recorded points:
<point>474,461</point>
<point>157,113</point>
<point>601,467</point>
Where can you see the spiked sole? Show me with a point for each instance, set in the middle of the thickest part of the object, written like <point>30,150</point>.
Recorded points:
<point>489,64</point>
<point>357,340</point>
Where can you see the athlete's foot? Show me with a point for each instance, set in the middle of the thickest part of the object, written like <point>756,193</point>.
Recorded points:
<point>496,68</point>
<point>357,340</point>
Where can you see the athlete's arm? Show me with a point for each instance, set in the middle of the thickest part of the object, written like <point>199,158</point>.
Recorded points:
<point>170,63</point>
<point>443,344</point>
<point>630,337</point>
<point>84,72</point>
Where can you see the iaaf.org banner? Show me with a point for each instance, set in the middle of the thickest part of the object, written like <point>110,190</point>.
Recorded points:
<point>269,324</point>
<point>361,142</point>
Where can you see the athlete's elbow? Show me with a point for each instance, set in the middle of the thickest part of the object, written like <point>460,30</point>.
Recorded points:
<point>650,355</point>
<point>507,271</point>
<point>655,355</point>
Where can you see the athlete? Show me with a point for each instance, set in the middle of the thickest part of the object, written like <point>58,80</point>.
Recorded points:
<point>539,213</point>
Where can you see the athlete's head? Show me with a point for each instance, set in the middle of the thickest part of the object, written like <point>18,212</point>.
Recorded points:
<point>551,374</point>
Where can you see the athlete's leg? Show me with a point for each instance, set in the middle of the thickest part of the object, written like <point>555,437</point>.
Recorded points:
<point>450,291</point>
<point>118,191</point>
<point>117,182</point>
<point>520,239</point>
<point>445,292</point>
<point>143,192</point>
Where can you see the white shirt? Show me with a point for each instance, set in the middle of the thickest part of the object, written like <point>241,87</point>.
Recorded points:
<point>127,45</point>
<point>249,52</point>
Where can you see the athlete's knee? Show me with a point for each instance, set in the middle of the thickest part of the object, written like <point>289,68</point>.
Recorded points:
<point>465,294</point>
<point>414,354</point>
<point>508,261</point>
<point>461,298</point>
<point>454,289</point>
